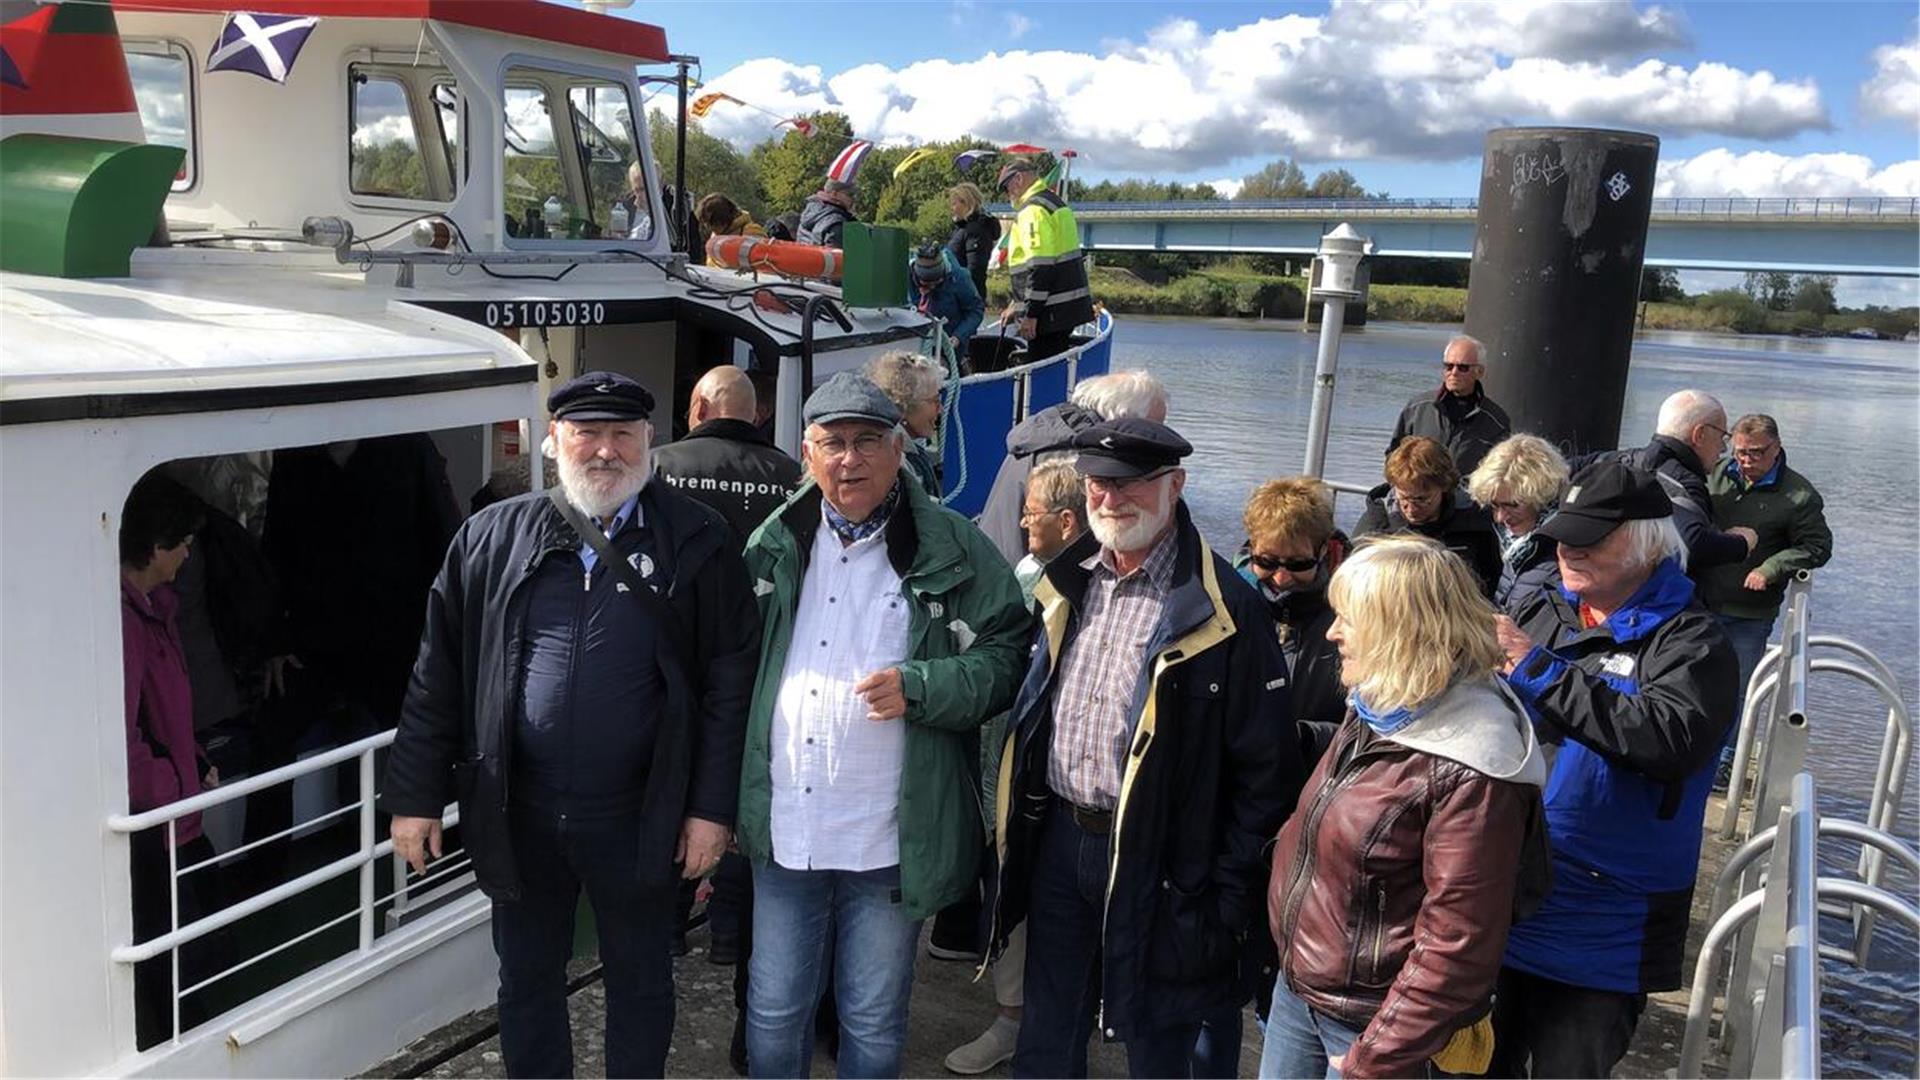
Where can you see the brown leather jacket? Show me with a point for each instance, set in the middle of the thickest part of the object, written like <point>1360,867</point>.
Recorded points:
<point>1392,889</point>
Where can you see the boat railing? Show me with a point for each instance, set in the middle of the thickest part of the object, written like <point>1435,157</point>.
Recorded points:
<point>1774,731</point>
<point>449,874</point>
<point>1771,1021</point>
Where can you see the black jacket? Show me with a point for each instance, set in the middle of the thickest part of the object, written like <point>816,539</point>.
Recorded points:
<point>1685,481</point>
<point>1531,565</point>
<point>1048,431</point>
<point>972,244</point>
<point>1466,529</point>
<point>730,467</point>
<point>1468,427</point>
<point>821,222</point>
<point>1212,772</point>
<point>456,728</point>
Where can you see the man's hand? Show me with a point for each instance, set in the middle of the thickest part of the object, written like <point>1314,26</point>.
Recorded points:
<point>1029,327</point>
<point>1513,641</point>
<point>1008,313</point>
<point>1746,534</point>
<point>274,679</point>
<point>414,838</point>
<point>1756,581</point>
<point>886,698</point>
<point>702,842</point>
<point>211,780</point>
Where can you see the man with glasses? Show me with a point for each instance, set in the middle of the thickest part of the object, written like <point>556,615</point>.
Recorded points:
<point>891,631</point>
<point>1050,295</point>
<point>1689,436</point>
<point>1754,489</point>
<point>1152,760</point>
<point>1459,416</point>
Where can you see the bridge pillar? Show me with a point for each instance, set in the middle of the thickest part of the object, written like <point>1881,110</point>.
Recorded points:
<point>1557,251</point>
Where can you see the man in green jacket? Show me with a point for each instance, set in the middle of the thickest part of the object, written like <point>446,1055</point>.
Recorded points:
<point>892,631</point>
<point>1754,488</point>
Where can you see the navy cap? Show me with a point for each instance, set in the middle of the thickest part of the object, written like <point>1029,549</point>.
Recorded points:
<point>850,395</point>
<point>600,395</point>
<point>1601,497</point>
<point>1128,447</point>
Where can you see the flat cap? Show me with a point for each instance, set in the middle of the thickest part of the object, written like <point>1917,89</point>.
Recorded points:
<point>850,395</point>
<point>1128,447</point>
<point>600,395</point>
<point>1601,497</point>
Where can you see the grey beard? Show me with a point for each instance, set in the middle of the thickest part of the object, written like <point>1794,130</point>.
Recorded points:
<point>573,482</point>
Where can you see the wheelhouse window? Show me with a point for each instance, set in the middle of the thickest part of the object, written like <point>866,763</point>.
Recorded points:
<point>570,152</point>
<point>162,74</point>
<point>391,106</point>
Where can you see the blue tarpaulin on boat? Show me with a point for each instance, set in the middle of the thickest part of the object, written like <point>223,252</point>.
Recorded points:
<point>1097,358</point>
<point>1047,386</point>
<point>979,425</point>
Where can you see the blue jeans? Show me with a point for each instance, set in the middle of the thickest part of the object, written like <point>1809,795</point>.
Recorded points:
<point>800,917</point>
<point>1749,640</point>
<point>1062,991</point>
<point>1299,1040</point>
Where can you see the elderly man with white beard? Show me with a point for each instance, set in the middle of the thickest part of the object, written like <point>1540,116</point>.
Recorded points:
<point>581,690</point>
<point>1150,759</point>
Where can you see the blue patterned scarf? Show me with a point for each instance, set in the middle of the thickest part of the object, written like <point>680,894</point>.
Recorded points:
<point>1387,723</point>
<point>852,532</point>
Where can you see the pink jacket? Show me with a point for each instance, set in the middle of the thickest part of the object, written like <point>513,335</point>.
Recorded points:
<point>163,761</point>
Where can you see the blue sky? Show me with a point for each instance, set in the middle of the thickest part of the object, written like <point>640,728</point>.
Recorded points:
<point>1748,98</point>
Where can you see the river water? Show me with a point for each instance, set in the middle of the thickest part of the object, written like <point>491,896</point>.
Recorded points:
<point>1849,414</point>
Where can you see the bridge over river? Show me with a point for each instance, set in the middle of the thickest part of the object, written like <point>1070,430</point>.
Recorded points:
<point>1867,235</point>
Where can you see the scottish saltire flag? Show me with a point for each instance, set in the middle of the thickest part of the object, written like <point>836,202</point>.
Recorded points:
<point>849,161</point>
<point>9,71</point>
<point>263,45</point>
<point>967,159</point>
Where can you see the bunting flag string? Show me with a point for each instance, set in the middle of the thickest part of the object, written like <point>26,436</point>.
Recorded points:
<point>705,103</point>
<point>849,161</point>
<point>911,160</point>
<point>965,160</point>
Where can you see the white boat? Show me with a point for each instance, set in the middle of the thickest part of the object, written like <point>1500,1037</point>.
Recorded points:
<point>310,291</point>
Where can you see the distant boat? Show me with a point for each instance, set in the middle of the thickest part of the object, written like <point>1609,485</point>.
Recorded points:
<point>1866,333</point>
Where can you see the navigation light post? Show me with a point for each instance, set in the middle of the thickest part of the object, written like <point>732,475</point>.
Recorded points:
<point>1340,253</point>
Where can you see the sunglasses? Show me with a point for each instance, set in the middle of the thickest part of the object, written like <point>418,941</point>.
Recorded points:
<point>1269,564</point>
<point>1460,367</point>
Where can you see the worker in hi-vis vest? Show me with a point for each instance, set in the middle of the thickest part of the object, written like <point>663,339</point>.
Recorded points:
<point>1050,294</point>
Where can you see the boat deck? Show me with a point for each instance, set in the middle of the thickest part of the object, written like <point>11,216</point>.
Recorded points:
<point>948,1009</point>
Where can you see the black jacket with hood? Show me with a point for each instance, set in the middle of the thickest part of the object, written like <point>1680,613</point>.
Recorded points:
<point>1685,481</point>
<point>1050,430</point>
<point>731,467</point>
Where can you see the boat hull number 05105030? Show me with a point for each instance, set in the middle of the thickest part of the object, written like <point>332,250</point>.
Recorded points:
<point>546,313</point>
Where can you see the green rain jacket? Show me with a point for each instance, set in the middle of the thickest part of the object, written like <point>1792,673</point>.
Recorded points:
<point>1791,520</point>
<point>967,639</point>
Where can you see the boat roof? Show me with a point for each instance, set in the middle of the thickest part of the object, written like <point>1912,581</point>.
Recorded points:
<point>119,347</point>
<point>534,19</point>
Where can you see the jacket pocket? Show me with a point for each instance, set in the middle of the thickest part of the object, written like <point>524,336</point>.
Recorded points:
<point>1189,943</point>
<point>1370,937</point>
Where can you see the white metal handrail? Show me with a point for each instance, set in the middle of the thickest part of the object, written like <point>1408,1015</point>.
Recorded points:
<point>225,793</point>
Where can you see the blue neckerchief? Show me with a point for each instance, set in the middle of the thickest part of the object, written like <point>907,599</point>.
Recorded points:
<point>589,558</point>
<point>852,532</point>
<point>1389,723</point>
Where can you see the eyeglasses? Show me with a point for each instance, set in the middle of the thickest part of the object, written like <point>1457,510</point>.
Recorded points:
<point>864,446</point>
<point>1754,453</point>
<point>1427,499</point>
<point>1725,435</point>
<point>1460,367</point>
<point>1268,564</point>
<point>1506,504</point>
<point>1104,486</point>
<point>1027,515</point>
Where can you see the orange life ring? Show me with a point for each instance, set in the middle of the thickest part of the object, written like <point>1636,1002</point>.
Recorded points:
<point>757,254</point>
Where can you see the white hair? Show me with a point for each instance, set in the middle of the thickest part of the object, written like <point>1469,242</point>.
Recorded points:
<point>1652,541</point>
<point>1685,410</point>
<point>1122,393</point>
<point>1479,350</point>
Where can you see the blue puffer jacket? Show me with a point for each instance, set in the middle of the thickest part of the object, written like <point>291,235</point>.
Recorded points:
<point>954,301</point>
<point>1641,705</point>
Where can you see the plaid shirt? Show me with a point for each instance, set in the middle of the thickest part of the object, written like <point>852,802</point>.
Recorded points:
<point>1091,721</point>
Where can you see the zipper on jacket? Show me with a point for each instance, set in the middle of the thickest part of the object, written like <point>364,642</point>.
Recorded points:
<point>1297,881</point>
<point>1379,924</point>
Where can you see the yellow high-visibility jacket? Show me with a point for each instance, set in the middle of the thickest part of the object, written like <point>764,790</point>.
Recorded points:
<point>1049,269</point>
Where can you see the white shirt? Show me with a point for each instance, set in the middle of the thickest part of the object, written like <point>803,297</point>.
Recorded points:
<point>836,774</point>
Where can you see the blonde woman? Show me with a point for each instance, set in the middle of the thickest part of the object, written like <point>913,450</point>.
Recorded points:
<point>1415,819</point>
<point>913,383</point>
<point>1519,482</point>
<point>975,232</point>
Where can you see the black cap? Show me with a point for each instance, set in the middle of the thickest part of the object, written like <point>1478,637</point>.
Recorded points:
<point>1014,165</point>
<point>850,395</point>
<point>600,395</point>
<point>1600,498</point>
<point>1128,447</point>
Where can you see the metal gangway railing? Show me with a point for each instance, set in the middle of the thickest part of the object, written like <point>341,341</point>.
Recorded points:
<point>1771,1023</point>
<point>1768,899</point>
<point>447,876</point>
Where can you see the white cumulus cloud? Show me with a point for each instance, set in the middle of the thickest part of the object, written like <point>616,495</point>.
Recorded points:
<point>1227,188</point>
<point>1894,89</point>
<point>1762,172</point>
<point>1417,81</point>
